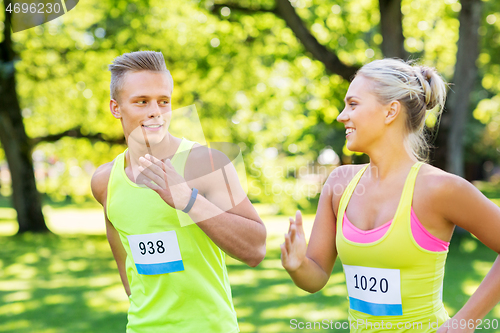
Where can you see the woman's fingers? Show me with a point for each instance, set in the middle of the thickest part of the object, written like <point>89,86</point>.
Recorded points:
<point>284,253</point>
<point>288,243</point>
<point>293,232</point>
<point>298,223</point>
<point>298,217</point>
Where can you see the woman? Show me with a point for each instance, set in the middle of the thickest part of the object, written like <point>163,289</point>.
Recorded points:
<point>390,221</point>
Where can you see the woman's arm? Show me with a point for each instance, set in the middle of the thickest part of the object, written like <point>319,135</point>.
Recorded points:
<point>464,205</point>
<point>310,269</point>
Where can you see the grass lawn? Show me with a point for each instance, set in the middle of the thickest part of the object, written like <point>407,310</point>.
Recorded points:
<point>69,282</point>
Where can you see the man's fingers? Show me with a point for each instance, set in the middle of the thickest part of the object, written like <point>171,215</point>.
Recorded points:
<point>157,165</point>
<point>152,186</point>
<point>153,159</point>
<point>147,164</point>
<point>168,163</point>
<point>150,175</point>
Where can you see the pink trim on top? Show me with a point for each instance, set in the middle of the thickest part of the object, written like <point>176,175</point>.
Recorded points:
<point>423,237</point>
<point>354,234</point>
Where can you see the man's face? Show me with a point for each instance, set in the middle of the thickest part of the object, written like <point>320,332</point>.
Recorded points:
<point>144,106</point>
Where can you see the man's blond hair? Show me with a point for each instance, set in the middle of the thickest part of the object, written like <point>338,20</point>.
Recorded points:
<point>135,62</point>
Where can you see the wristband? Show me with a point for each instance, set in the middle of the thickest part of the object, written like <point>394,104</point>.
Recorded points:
<point>190,204</point>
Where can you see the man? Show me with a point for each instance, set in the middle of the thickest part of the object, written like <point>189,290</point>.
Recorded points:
<point>171,262</point>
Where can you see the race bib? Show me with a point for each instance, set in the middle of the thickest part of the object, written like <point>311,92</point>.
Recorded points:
<point>156,253</point>
<point>375,291</point>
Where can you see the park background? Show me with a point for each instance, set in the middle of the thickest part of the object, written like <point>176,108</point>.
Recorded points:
<point>268,75</point>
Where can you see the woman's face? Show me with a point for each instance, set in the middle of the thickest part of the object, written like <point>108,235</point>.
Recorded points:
<point>363,115</point>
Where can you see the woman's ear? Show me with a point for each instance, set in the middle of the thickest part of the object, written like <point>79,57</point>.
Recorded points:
<point>392,111</point>
<point>115,109</point>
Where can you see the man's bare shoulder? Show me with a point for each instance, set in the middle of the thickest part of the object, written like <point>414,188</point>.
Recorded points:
<point>203,160</point>
<point>99,182</point>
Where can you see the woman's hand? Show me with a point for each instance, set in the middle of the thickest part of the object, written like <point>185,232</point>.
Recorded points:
<point>293,250</point>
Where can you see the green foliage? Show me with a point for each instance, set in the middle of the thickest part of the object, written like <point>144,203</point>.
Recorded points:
<point>486,141</point>
<point>251,80</point>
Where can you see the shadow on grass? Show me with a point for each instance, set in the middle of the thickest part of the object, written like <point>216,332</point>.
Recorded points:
<point>68,202</point>
<point>267,300</point>
<point>55,284</point>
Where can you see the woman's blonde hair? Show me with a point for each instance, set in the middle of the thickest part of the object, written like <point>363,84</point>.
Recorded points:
<point>417,88</point>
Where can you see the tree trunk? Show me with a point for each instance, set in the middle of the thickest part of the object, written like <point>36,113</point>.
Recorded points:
<point>331,61</point>
<point>450,137</point>
<point>392,29</point>
<point>15,142</point>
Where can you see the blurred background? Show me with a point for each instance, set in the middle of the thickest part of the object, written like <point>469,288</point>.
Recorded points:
<point>268,75</point>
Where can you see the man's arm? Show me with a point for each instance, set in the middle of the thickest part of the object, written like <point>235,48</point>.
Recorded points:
<point>118,253</point>
<point>224,212</point>
<point>221,209</point>
<point>99,185</point>
<point>238,232</point>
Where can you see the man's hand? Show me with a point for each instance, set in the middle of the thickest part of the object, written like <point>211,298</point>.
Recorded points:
<point>163,179</point>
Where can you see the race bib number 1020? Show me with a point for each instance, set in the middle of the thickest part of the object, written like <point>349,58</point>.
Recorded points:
<point>156,253</point>
<point>375,291</point>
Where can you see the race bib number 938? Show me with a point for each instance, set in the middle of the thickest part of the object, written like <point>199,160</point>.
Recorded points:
<point>156,253</point>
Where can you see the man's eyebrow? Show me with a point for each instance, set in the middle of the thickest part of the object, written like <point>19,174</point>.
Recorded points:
<point>145,96</point>
<point>350,97</point>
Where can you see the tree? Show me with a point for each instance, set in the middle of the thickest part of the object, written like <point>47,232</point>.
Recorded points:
<point>450,137</point>
<point>270,76</point>
<point>15,142</point>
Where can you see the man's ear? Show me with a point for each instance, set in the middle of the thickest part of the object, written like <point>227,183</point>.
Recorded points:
<point>115,109</point>
<point>392,111</point>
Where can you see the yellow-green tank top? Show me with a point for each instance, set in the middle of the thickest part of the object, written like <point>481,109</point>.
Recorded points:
<point>195,299</point>
<point>392,281</point>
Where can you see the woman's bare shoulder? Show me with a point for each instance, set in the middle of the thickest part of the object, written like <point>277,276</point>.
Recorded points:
<point>338,181</point>
<point>436,180</point>
<point>342,175</point>
<point>437,187</point>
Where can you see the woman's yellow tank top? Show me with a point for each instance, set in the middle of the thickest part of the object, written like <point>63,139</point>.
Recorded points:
<point>394,285</point>
<point>177,275</point>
